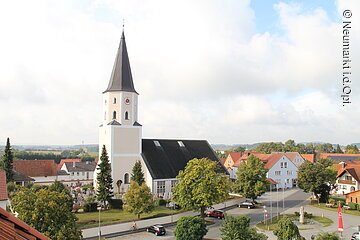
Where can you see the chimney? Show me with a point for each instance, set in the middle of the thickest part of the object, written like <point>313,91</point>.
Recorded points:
<point>343,164</point>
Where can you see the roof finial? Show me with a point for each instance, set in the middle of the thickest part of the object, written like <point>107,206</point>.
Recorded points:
<point>123,24</point>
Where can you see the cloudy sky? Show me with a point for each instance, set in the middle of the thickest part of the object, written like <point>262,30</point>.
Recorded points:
<point>229,71</point>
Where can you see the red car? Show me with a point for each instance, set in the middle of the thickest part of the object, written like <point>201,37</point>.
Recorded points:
<point>215,214</point>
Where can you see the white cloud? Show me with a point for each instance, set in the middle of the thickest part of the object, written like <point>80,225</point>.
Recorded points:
<point>200,67</point>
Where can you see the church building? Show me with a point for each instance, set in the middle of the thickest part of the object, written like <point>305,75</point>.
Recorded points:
<point>121,133</point>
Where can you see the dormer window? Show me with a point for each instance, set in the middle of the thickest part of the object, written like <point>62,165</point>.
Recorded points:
<point>114,100</point>
<point>157,143</point>
<point>114,115</point>
<point>126,116</point>
<point>181,144</point>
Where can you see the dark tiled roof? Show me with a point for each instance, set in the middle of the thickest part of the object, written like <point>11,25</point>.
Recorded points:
<point>62,172</point>
<point>137,124</point>
<point>80,166</point>
<point>121,78</point>
<point>114,122</point>
<point>165,158</point>
<point>19,177</point>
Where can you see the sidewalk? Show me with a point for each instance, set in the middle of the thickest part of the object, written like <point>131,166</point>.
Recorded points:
<point>117,229</point>
<point>350,222</point>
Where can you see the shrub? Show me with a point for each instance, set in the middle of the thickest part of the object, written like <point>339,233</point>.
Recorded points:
<point>332,201</point>
<point>297,214</point>
<point>308,215</point>
<point>336,199</point>
<point>160,202</point>
<point>116,203</point>
<point>353,206</point>
<point>90,207</point>
<point>190,228</point>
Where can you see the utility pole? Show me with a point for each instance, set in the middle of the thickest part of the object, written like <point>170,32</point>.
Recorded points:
<point>271,212</point>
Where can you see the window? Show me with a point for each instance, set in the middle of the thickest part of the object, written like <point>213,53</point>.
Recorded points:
<point>287,180</point>
<point>77,173</point>
<point>72,174</point>
<point>285,164</point>
<point>126,178</point>
<point>344,187</point>
<point>87,175</point>
<point>157,144</point>
<point>114,115</point>
<point>83,173</point>
<point>349,178</point>
<point>160,187</point>
<point>289,172</point>
<point>277,173</point>
<point>114,100</point>
<point>126,116</point>
<point>181,144</point>
<point>282,165</point>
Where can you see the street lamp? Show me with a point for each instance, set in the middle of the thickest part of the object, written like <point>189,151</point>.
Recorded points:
<point>99,208</point>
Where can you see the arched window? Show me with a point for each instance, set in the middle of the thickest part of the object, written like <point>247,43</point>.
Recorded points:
<point>114,115</point>
<point>114,100</point>
<point>126,178</point>
<point>126,116</point>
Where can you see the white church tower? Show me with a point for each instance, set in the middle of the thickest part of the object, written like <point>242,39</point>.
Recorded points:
<point>120,132</point>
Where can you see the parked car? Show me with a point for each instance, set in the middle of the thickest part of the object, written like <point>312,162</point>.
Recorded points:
<point>215,214</point>
<point>157,230</point>
<point>246,204</point>
<point>355,236</point>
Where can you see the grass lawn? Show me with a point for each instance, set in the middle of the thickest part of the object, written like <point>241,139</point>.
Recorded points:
<point>334,209</point>
<point>272,226</point>
<point>112,216</point>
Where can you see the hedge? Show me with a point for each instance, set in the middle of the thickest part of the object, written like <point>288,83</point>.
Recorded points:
<point>116,203</point>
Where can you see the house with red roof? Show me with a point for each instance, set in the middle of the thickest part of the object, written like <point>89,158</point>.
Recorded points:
<point>44,172</point>
<point>3,190</point>
<point>282,167</point>
<point>348,177</point>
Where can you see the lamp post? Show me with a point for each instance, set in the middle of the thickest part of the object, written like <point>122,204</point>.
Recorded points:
<point>99,208</point>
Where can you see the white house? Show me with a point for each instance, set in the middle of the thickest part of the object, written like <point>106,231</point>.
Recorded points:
<point>121,134</point>
<point>348,177</point>
<point>282,170</point>
<point>77,173</point>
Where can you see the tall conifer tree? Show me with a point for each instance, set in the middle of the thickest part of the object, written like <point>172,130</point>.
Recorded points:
<point>8,161</point>
<point>104,179</point>
<point>137,174</point>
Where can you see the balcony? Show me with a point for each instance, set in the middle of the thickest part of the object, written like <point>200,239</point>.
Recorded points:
<point>347,182</point>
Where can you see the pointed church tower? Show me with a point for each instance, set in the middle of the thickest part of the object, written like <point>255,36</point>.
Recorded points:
<point>120,132</point>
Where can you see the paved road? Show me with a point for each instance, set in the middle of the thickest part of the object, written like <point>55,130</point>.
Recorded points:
<point>292,198</point>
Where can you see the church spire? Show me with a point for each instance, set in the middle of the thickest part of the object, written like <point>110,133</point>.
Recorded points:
<point>121,78</point>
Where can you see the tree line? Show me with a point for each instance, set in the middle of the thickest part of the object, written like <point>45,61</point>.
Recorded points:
<point>292,146</point>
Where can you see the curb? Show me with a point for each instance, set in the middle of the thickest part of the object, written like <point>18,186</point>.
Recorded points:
<point>122,233</point>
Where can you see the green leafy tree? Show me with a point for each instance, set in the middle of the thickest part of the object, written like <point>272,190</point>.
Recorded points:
<point>327,236</point>
<point>270,147</point>
<point>309,148</point>
<point>290,146</point>
<point>7,161</point>
<point>338,149</point>
<point>324,147</point>
<point>239,149</point>
<point>287,230</point>
<point>190,228</point>
<point>47,211</point>
<point>137,174</point>
<point>199,186</point>
<point>60,188</point>
<point>138,199</point>
<point>238,228</point>
<point>251,178</point>
<point>104,180</point>
<point>351,149</point>
<point>318,177</point>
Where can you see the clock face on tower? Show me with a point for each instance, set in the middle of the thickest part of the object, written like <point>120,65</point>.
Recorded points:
<point>127,101</point>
